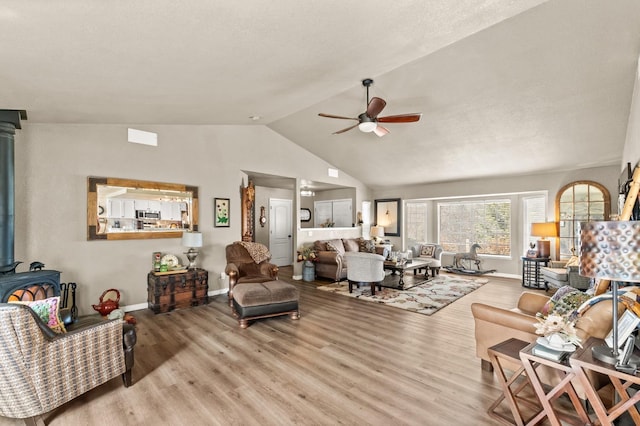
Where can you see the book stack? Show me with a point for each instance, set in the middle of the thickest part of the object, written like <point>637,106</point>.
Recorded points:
<point>548,353</point>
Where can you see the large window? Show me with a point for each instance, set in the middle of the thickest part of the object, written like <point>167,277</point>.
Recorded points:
<point>486,222</point>
<point>579,202</point>
<point>415,222</point>
<point>534,211</point>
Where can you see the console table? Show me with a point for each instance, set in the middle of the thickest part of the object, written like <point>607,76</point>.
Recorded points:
<point>531,276</point>
<point>181,289</point>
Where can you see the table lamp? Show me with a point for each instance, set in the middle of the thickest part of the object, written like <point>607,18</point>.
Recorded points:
<point>192,240</point>
<point>544,230</point>
<point>610,251</point>
<point>377,232</point>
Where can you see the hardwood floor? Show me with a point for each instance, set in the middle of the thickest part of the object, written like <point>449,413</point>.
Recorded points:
<point>344,362</point>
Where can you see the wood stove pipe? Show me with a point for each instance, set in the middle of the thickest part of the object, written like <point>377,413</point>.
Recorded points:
<point>9,122</point>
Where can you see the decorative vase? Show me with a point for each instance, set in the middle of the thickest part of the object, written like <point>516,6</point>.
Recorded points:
<point>308,271</point>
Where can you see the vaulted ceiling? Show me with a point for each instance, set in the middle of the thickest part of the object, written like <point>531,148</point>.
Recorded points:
<point>504,87</point>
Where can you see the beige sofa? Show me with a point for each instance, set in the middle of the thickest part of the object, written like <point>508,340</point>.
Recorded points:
<point>330,260</point>
<point>494,325</point>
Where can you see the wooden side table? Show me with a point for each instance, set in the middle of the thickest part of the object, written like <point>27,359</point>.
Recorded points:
<point>509,350</point>
<point>567,374</point>
<point>582,362</point>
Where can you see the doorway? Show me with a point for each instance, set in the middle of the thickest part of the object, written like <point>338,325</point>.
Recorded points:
<point>280,231</point>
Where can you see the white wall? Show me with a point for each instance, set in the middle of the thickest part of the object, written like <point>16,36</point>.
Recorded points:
<point>631,152</point>
<point>54,160</point>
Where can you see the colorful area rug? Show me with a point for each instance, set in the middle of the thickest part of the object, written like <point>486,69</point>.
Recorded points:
<point>426,298</point>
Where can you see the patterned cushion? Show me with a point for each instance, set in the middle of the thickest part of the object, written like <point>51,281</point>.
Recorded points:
<point>367,246</point>
<point>427,250</point>
<point>350,245</point>
<point>335,245</point>
<point>48,310</point>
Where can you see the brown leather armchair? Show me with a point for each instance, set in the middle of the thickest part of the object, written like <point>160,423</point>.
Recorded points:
<point>243,268</point>
<point>43,370</point>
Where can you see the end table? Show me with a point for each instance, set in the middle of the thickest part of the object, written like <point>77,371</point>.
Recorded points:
<point>531,276</point>
<point>567,375</point>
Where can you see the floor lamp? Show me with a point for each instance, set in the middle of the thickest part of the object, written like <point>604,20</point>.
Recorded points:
<point>610,251</point>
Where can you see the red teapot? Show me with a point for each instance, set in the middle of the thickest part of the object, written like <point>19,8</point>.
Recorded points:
<point>107,302</point>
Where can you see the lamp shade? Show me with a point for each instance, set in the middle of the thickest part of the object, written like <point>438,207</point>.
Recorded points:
<point>610,250</point>
<point>377,231</point>
<point>544,229</point>
<point>192,239</point>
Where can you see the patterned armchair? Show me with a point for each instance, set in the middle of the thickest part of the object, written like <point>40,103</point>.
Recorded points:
<point>42,370</point>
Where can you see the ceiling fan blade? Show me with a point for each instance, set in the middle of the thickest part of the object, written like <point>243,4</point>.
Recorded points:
<point>337,116</point>
<point>402,118</point>
<point>380,131</point>
<point>375,107</point>
<point>345,130</point>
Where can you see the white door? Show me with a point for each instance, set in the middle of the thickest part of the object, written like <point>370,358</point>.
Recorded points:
<point>280,231</point>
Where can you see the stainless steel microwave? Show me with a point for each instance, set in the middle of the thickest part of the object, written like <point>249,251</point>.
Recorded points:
<point>143,214</point>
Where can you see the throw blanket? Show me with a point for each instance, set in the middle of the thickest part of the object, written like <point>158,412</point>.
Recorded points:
<point>258,252</point>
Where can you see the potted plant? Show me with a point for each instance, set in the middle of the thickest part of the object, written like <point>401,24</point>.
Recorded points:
<point>308,256</point>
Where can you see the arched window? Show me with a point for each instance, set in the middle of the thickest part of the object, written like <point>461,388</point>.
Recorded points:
<point>575,203</point>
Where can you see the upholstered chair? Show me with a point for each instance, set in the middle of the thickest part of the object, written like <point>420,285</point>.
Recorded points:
<point>248,262</point>
<point>428,252</point>
<point>42,369</point>
<point>364,268</point>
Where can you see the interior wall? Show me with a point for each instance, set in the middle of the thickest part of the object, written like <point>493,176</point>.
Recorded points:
<point>263,194</point>
<point>54,160</point>
<point>631,152</point>
<point>550,182</point>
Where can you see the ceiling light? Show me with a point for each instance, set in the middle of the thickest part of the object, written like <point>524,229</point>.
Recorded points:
<point>307,193</point>
<point>367,126</point>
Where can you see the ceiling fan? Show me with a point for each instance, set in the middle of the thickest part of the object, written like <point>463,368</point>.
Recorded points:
<point>368,120</point>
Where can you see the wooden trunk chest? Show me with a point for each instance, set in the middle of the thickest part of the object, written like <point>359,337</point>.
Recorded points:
<point>177,291</point>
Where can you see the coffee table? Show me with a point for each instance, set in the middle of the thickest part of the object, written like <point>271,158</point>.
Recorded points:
<point>402,268</point>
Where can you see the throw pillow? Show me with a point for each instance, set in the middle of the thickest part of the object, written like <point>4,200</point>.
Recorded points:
<point>573,261</point>
<point>367,246</point>
<point>335,245</point>
<point>565,300</point>
<point>350,245</point>
<point>48,310</point>
<point>427,250</point>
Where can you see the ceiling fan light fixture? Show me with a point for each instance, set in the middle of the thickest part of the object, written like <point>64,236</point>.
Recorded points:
<point>367,126</point>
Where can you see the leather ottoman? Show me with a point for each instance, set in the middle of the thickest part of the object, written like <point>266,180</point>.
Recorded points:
<point>263,300</point>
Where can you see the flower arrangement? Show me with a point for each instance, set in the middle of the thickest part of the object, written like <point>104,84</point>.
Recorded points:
<point>558,327</point>
<point>557,322</point>
<point>307,253</point>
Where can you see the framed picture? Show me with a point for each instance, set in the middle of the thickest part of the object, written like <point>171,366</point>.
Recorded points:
<point>305,215</point>
<point>387,214</point>
<point>221,212</point>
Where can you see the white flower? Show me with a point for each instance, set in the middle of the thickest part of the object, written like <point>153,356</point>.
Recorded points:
<point>557,324</point>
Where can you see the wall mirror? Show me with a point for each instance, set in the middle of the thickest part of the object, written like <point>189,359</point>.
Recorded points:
<point>388,215</point>
<point>125,209</point>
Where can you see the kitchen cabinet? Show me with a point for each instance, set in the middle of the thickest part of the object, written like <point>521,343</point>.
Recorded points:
<point>141,204</point>
<point>170,211</point>
<point>124,209</point>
